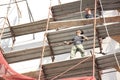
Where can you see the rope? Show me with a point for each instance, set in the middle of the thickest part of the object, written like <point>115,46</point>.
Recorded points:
<point>5,22</point>
<point>30,16</point>
<point>70,68</point>
<point>29,12</point>
<point>18,9</point>
<point>117,61</point>
<point>43,49</point>
<point>94,40</point>
<point>108,34</point>
<point>11,3</point>
<point>104,18</point>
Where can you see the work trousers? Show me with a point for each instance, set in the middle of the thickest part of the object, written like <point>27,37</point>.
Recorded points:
<point>76,48</point>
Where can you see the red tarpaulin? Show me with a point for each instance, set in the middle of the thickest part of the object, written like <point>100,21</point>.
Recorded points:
<point>80,78</point>
<point>9,74</point>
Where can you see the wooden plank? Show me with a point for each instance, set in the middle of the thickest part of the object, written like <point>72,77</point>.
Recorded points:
<point>80,22</point>
<point>117,38</point>
<point>28,28</point>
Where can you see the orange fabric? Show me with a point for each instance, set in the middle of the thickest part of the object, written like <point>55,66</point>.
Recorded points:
<point>8,73</point>
<point>80,78</point>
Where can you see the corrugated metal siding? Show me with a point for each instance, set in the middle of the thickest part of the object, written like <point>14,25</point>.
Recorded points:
<point>72,10</point>
<point>57,38</point>
<point>104,62</point>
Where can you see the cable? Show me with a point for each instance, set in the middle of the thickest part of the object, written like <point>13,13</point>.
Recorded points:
<point>43,49</point>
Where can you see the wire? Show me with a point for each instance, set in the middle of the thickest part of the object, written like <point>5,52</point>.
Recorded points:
<point>43,49</point>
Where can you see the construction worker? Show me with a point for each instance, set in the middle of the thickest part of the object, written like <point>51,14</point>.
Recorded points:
<point>77,44</point>
<point>88,13</point>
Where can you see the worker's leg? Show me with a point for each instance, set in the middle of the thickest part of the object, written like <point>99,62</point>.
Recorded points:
<point>73,52</point>
<point>81,49</point>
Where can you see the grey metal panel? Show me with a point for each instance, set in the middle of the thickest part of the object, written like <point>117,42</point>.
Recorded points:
<point>108,61</point>
<point>30,28</point>
<point>54,69</point>
<point>6,33</point>
<point>110,6</point>
<point>35,53</point>
<point>57,38</point>
<point>27,54</point>
<point>64,11</point>
<point>67,49</point>
<point>113,29</point>
<point>76,15</point>
<point>68,34</point>
<point>102,62</point>
<point>109,1</point>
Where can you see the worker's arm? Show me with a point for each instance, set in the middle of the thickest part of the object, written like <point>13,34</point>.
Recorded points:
<point>86,38</point>
<point>68,42</point>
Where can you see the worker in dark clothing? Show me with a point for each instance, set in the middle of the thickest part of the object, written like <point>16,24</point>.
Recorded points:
<point>77,44</point>
<point>88,13</point>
